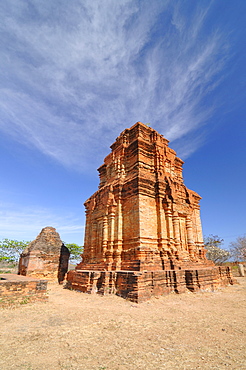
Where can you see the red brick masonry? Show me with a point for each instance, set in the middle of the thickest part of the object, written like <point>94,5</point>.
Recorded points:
<point>139,286</point>
<point>46,257</point>
<point>143,233</point>
<point>18,288</point>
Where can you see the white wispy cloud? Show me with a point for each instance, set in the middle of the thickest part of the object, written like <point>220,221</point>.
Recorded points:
<point>25,223</point>
<point>75,74</point>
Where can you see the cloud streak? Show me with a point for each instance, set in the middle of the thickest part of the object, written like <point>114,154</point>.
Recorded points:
<point>75,75</point>
<point>24,223</point>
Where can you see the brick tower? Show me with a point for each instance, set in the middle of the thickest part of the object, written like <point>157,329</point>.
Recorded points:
<point>143,232</point>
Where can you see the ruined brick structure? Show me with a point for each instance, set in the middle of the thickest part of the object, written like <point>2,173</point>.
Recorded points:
<point>45,257</point>
<point>17,288</point>
<point>143,232</point>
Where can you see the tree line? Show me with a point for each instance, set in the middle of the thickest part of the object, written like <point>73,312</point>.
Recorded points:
<point>236,252</point>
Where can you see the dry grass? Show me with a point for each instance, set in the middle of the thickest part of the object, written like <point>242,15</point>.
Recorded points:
<point>79,331</point>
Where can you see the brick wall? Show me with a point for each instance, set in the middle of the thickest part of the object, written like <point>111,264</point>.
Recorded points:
<point>19,288</point>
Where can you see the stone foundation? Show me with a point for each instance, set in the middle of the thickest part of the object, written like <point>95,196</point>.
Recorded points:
<point>139,286</point>
<point>16,288</point>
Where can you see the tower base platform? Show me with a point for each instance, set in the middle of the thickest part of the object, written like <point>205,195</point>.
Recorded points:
<point>139,286</point>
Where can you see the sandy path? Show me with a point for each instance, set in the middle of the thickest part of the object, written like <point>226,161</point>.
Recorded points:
<point>79,331</point>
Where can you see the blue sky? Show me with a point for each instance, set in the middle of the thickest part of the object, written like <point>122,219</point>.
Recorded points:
<point>75,74</point>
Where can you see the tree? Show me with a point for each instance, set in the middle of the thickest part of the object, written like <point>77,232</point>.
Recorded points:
<point>214,252</point>
<point>238,249</point>
<point>10,250</point>
<point>75,251</point>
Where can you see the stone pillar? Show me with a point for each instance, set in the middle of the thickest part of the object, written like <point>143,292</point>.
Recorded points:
<point>93,240</point>
<point>161,224</point>
<point>198,233</point>
<point>241,269</point>
<point>190,237</point>
<point>109,253</point>
<point>176,231</point>
<point>169,223</point>
<point>105,235</point>
<point>198,226</point>
<point>118,237</point>
<point>87,250</point>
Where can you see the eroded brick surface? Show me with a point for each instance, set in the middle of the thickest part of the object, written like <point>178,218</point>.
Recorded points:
<point>143,219</point>
<point>45,257</point>
<point>19,288</point>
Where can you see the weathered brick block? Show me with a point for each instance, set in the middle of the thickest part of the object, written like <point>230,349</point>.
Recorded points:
<point>19,288</point>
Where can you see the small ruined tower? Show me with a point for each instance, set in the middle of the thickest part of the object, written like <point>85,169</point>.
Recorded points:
<point>142,219</point>
<point>45,257</point>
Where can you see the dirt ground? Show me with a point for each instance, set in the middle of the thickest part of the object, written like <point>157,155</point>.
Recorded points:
<point>80,331</point>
